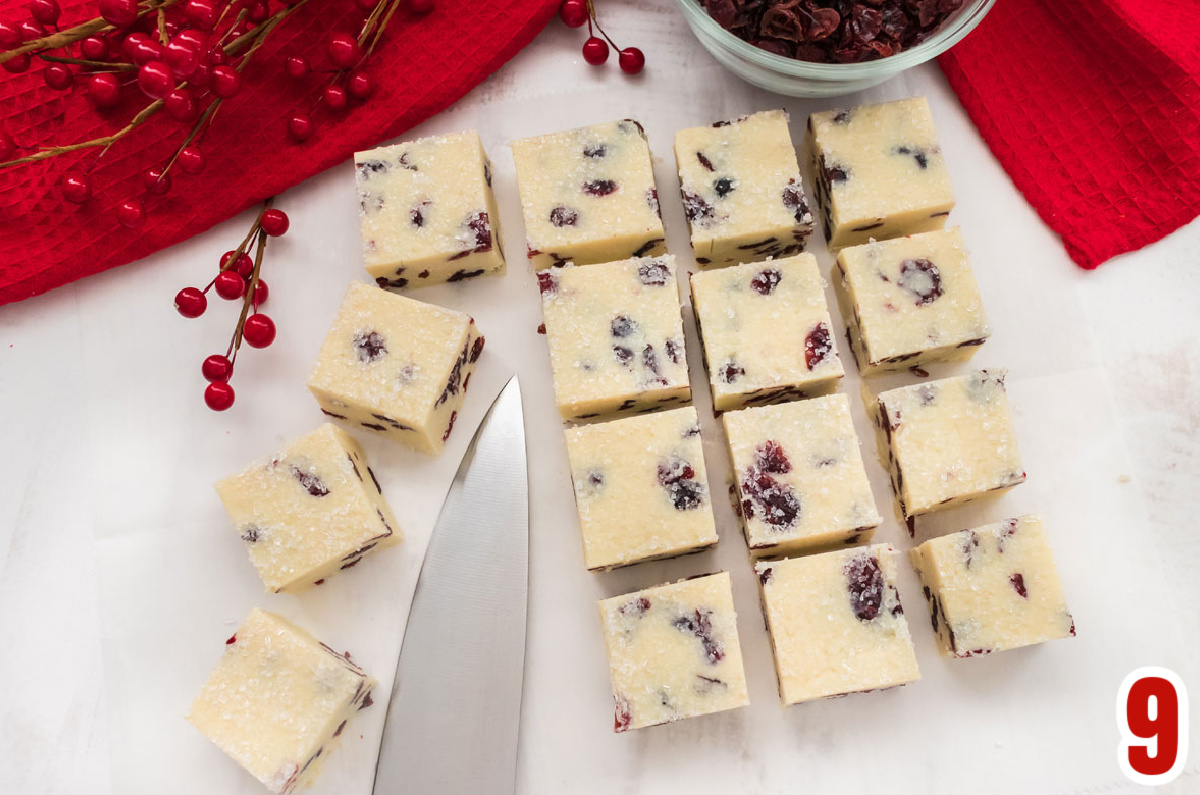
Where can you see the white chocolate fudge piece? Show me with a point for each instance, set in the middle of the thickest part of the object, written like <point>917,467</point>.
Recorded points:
<point>799,476</point>
<point>878,171</point>
<point>993,588</point>
<point>396,366</point>
<point>948,441</point>
<point>741,190</point>
<point>616,337</point>
<point>766,332</point>
<point>428,213</point>
<point>309,511</point>
<point>673,652</point>
<point>836,624</point>
<point>640,488</point>
<point>277,700</point>
<point>910,300</point>
<point>588,195</point>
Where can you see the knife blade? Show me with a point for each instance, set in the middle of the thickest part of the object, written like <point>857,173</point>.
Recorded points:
<point>454,716</point>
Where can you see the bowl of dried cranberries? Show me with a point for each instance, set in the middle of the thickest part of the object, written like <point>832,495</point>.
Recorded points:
<point>824,48</point>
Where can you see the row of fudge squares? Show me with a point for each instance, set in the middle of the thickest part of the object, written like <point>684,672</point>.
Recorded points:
<point>835,622</point>
<point>799,482</point>
<point>428,212</point>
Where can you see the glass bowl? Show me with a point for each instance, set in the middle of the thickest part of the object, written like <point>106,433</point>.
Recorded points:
<point>789,76</point>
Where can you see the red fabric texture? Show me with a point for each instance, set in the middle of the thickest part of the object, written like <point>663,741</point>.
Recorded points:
<point>1093,108</point>
<point>423,64</point>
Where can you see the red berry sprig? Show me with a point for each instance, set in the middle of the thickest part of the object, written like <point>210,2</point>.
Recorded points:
<point>239,277</point>
<point>577,13</point>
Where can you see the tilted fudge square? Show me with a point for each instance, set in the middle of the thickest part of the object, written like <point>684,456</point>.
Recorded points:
<point>616,337</point>
<point>878,171</point>
<point>765,331</point>
<point>673,652</point>
<point>428,213</point>
<point>836,624</point>
<point>948,441</point>
<point>277,700</point>
<point>741,190</point>
<point>396,366</point>
<point>640,488</point>
<point>993,588</point>
<point>588,195</point>
<point>309,511</point>
<point>910,300</point>
<point>799,476</point>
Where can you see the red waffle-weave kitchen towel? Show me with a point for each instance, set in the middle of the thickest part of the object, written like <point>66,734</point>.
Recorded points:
<point>423,64</point>
<point>1093,108</point>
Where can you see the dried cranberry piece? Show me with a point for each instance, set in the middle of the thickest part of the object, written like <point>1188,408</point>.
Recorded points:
<point>919,155</point>
<point>699,623</point>
<point>865,22</point>
<point>650,360</point>
<point>864,580</point>
<point>817,345</point>
<point>832,172</point>
<point>370,346</point>
<point>653,273</point>
<point>595,150</point>
<point>369,167</point>
<point>416,215</point>
<point>622,717</point>
<point>652,203</point>
<point>769,457</point>
<point>793,199</point>
<point>921,279</point>
<point>563,216</point>
<point>624,355</point>
<point>731,371</point>
<point>674,350</point>
<point>477,348</point>
<point>481,225</point>
<point>547,283</point>
<point>970,543</point>
<point>635,607</point>
<point>697,209</point>
<point>778,501</point>
<point>674,470</point>
<point>250,534</point>
<point>725,12</point>
<point>623,326</point>
<point>311,483</point>
<point>1018,584</point>
<point>599,187</point>
<point>765,281</point>
<point>704,161</point>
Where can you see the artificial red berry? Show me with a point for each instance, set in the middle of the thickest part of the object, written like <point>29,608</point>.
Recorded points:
<point>17,64</point>
<point>258,331</point>
<point>94,48</point>
<point>155,79</point>
<point>145,51</point>
<point>632,60</point>
<point>191,160</point>
<point>76,188</point>
<point>243,266</point>
<point>30,30</point>
<point>261,291</point>
<point>218,57</point>
<point>300,127</point>
<point>275,222</point>
<point>191,38</point>
<point>190,302</point>
<point>119,13</point>
<point>202,13</point>
<point>8,147</point>
<point>180,105</point>
<point>58,76</point>
<point>297,67</point>
<point>359,84</point>
<point>131,214</point>
<point>132,41</point>
<point>595,51</point>
<point>155,181</point>
<point>45,11</point>
<point>103,90</point>
<point>229,285</point>
<point>335,97</point>
<point>182,58</point>
<point>218,396</point>
<point>217,368</point>
<point>257,12</point>
<point>202,76</point>
<point>225,81</point>
<point>343,50</point>
<point>420,6</point>
<point>573,12</point>
<point>10,37</point>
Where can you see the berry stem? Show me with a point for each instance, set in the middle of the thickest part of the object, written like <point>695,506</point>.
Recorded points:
<point>382,23</point>
<point>236,343</point>
<point>163,38</point>
<point>97,66</point>
<point>67,37</point>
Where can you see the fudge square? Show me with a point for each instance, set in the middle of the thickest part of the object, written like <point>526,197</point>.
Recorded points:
<point>640,488</point>
<point>396,366</point>
<point>948,441</point>
<point>588,195</point>
<point>878,171</point>
<point>741,190</point>
<point>910,300</point>
<point>765,331</point>
<point>428,213</point>
<point>673,652</point>
<point>616,337</point>
<point>277,699</point>
<point>309,511</point>
<point>799,476</point>
<point>992,588</point>
<point>836,624</point>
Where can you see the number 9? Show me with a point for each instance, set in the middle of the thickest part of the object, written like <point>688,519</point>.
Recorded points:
<point>1152,716</point>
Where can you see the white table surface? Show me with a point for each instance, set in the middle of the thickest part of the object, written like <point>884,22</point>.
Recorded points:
<point>55,381</point>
